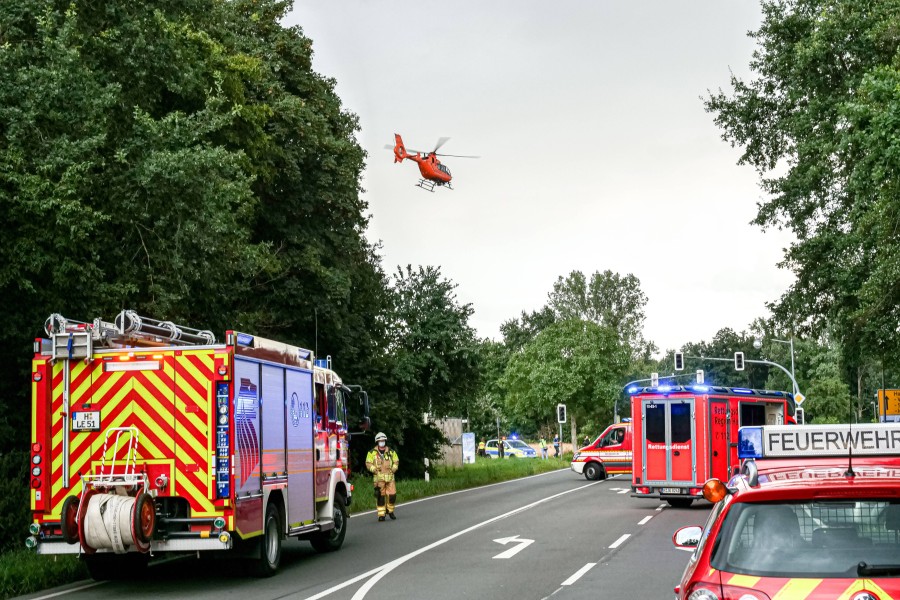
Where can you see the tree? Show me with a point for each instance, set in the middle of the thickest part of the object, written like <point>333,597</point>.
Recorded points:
<point>818,122</point>
<point>432,353</point>
<point>608,299</point>
<point>575,362</point>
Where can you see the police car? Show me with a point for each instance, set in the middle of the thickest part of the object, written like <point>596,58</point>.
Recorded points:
<point>814,514</point>
<point>511,449</point>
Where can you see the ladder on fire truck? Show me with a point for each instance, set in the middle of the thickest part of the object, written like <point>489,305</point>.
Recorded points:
<point>76,339</point>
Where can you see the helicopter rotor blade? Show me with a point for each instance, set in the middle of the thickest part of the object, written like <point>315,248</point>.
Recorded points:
<point>440,142</point>
<point>456,155</point>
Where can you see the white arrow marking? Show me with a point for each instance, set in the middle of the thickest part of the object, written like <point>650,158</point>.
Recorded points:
<point>620,490</point>
<point>522,544</point>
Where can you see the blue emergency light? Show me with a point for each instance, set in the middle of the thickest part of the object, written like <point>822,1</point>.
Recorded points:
<point>750,442</point>
<point>700,388</point>
<point>742,391</point>
<point>632,390</point>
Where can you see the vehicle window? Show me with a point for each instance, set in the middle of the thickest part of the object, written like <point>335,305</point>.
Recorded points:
<point>655,423</point>
<point>707,527</point>
<point>681,422</point>
<point>613,438</point>
<point>833,536</point>
<point>491,444</point>
<point>518,444</point>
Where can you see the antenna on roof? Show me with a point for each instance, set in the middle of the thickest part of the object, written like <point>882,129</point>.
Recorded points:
<point>849,472</point>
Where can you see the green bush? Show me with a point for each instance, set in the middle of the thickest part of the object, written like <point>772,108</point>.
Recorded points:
<point>15,503</point>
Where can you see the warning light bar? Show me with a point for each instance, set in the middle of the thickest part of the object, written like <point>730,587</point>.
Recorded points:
<point>793,441</point>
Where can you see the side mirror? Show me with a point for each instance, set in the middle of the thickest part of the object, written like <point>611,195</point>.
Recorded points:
<point>688,537</point>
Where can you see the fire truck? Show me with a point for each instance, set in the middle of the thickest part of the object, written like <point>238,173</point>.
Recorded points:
<point>150,438</point>
<point>685,435</point>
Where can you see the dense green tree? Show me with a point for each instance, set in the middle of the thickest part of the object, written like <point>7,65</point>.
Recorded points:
<point>518,332</point>
<point>818,121</point>
<point>575,362</point>
<point>432,352</point>
<point>608,299</point>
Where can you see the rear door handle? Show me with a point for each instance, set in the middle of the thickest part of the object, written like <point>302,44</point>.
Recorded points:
<point>677,453</point>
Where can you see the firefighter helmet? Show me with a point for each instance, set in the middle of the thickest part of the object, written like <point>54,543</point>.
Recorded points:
<point>380,437</point>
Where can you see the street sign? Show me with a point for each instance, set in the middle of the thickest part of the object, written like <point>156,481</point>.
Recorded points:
<point>889,403</point>
<point>799,398</point>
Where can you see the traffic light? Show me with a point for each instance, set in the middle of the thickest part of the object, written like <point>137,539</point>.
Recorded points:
<point>654,379</point>
<point>699,375</point>
<point>738,361</point>
<point>679,361</point>
<point>561,413</point>
<point>799,416</point>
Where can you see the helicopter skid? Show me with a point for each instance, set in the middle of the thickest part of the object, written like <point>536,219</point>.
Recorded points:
<point>427,184</point>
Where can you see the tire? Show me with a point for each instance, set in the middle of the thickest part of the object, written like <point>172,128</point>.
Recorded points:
<point>144,518</point>
<point>118,567</point>
<point>680,502</point>
<point>593,472</point>
<point>270,543</point>
<point>333,539</point>
<point>68,520</point>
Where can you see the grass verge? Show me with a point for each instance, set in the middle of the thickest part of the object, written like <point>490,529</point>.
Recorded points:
<point>24,572</point>
<point>450,479</point>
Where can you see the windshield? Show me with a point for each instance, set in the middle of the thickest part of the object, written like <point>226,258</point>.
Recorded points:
<point>517,444</point>
<point>832,536</point>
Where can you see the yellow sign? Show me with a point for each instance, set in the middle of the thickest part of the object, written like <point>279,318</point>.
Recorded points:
<point>889,402</point>
<point>799,398</point>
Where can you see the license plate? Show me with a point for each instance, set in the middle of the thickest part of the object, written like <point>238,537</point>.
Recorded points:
<point>86,420</point>
<point>671,490</point>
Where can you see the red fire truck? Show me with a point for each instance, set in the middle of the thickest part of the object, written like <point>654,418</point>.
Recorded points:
<point>685,435</point>
<point>151,438</point>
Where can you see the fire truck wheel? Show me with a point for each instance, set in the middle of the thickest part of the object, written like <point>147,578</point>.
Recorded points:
<point>593,471</point>
<point>331,540</point>
<point>679,502</point>
<point>69,520</point>
<point>104,566</point>
<point>144,518</point>
<point>270,543</point>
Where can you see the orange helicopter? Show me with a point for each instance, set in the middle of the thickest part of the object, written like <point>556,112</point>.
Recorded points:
<point>434,173</point>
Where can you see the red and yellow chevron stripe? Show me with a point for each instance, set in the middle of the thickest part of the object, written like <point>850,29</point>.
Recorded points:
<point>170,407</point>
<point>796,588</point>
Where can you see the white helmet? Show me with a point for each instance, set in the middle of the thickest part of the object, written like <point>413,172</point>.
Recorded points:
<point>380,437</point>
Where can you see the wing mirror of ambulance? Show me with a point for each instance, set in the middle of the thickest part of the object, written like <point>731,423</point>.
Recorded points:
<point>688,537</point>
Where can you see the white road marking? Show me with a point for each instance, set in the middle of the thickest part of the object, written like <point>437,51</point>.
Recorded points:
<point>660,507</point>
<point>70,590</point>
<point>378,573</point>
<point>577,575</point>
<point>645,519</point>
<point>619,541</point>
<point>620,490</point>
<point>522,544</point>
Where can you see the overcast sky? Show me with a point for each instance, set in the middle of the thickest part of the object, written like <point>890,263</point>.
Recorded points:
<point>596,152</point>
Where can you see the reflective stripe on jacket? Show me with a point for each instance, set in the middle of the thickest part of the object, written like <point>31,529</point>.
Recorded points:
<point>382,465</point>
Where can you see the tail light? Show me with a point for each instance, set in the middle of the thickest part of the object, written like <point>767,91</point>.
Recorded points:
<point>223,442</point>
<point>712,591</point>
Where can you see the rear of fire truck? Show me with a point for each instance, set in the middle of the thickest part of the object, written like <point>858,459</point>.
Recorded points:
<point>147,439</point>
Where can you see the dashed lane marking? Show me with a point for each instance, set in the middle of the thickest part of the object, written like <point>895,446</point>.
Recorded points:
<point>619,541</point>
<point>645,519</point>
<point>577,575</point>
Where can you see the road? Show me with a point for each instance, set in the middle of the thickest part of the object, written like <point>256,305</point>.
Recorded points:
<point>554,535</point>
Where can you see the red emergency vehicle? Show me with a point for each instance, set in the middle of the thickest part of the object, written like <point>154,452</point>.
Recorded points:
<point>685,435</point>
<point>609,454</point>
<point>151,438</point>
<point>814,515</point>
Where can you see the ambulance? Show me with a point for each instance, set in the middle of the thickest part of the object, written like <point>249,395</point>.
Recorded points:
<point>685,435</point>
<point>152,439</point>
<point>813,515</point>
<point>609,454</point>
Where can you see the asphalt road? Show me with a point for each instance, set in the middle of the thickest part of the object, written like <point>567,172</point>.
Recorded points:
<point>554,535</point>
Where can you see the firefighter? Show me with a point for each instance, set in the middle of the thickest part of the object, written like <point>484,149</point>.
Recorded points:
<point>481,451</point>
<point>382,462</point>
